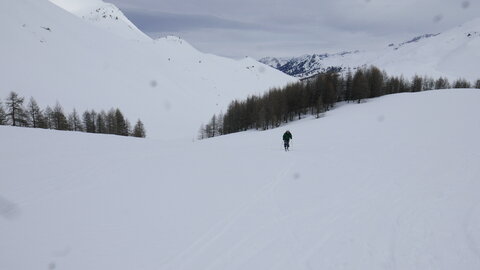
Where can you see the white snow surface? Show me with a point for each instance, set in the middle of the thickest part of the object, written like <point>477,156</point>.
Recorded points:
<point>387,184</point>
<point>87,61</point>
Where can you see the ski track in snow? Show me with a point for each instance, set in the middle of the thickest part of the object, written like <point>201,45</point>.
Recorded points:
<point>187,256</point>
<point>474,211</point>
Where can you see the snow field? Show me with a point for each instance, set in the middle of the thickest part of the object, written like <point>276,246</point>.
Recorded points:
<point>387,184</point>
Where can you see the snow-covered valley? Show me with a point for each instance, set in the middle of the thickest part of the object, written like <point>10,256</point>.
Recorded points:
<point>387,184</point>
<point>95,58</point>
<point>390,183</point>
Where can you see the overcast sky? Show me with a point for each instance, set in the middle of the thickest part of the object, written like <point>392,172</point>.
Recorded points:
<point>259,28</point>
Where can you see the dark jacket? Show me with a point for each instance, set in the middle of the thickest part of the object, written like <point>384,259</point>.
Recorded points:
<point>287,136</point>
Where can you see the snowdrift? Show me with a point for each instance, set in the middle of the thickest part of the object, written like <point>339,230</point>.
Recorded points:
<point>388,184</point>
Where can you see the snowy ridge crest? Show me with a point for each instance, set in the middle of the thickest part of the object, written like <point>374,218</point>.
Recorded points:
<point>415,39</point>
<point>104,15</point>
<point>452,54</point>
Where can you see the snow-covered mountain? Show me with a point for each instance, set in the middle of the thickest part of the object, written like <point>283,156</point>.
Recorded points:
<point>305,65</point>
<point>275,62</point>
<point>369,186</point>
<point>454,54</point>
<point>104,15</point>
<point>86,54</point>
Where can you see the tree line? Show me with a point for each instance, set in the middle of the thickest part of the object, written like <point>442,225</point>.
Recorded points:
<point>315,96</point>
<point>13,112</point>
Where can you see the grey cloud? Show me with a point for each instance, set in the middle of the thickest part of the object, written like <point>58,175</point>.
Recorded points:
<point>161,21</point>
<point>285,27</point>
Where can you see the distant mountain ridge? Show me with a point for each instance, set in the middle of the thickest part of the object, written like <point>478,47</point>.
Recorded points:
<point>415,39</point>
<point>305,65</point>
<point>454,53</point>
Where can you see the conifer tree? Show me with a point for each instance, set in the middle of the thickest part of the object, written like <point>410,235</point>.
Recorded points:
<point>477,84</point>
<point>208,130</point>
<point>375,81</point>
<point>15,110</point>
<point>330,90</point>
<point>220,123</point>
<point>128,127</point>
<point>120,124</point>
<point>212,127</point>
<point>428,83</point>
<point>417,83</point>
<point>393,85</point>
<point>60,122</point>
<point>111,122</point>
<point>201,132</point>
<point>261,120</point>
<point>48,117</point>
<point>89,121</point>
<point>442,83</point>
<point>74,121</point>
<point>35,115</point>
<point>3,115</point>
<point>461,83</point>
<point>348,85</point>
<point>360,88</point>
<point>403,85</point>
<point>319,106</point>
<point>139,130</point>
<point>100,122</point>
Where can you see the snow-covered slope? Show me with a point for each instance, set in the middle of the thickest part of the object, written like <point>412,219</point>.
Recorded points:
<point>91,62</point>
<point>368,186</point>
<point>103,15</point>
<point>454,54</point>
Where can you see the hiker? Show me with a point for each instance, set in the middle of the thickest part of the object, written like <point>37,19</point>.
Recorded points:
<point>287,136</point>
